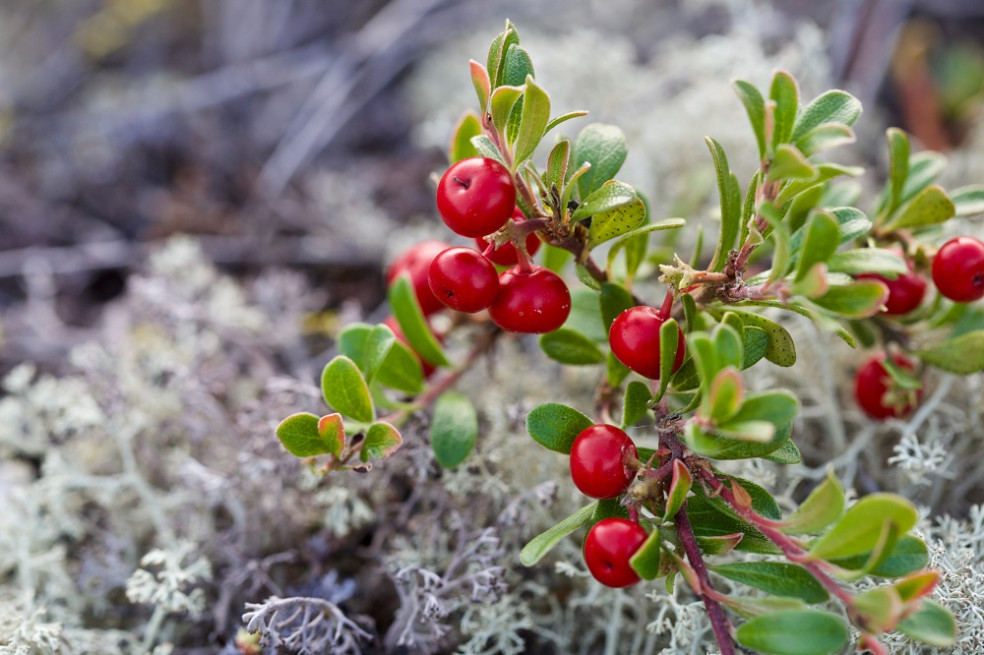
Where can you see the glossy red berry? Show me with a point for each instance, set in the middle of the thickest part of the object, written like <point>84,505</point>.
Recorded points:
<point>634,338</point>
<point>905,292</point>
<point>958,269</point>
<point>878,394</point>
<point>530,302</point>
<point>463,279</point>
<point>391,323</point>
<point>598,461</point>
<point>609,546</point>
<point>476,196</point>
<point>416,263</point>
<point>506,255</point>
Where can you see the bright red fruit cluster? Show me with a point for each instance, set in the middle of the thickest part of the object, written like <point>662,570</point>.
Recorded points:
<point>477,197</point>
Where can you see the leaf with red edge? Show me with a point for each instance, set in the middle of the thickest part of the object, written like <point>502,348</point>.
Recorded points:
<point>331,429</point>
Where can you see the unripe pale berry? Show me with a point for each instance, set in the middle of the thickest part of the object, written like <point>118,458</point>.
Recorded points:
<point>958,269</point>
<point>599,465</point>
<point>530,302</point>
<point>476,196</point>
<point>634,338</point>
<point>609,546</point>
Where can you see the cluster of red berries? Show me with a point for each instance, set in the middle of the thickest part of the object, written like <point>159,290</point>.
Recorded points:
<point>476,198</point>
<point>603,460</point>
<point>958,274</point>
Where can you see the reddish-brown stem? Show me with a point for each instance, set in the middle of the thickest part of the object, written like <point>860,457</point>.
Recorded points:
<point>719,622</point>
<point>446,382</point>
<point>785,543</point>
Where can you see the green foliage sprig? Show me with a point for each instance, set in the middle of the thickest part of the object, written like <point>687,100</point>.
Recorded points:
<point>793,240</point>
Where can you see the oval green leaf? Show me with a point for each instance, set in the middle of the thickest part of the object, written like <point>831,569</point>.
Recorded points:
<point>859,529</point>
<point>541,544</point>
<point>382,440</point>
<point>299,435</point>
<point>776,578</point>
<point>555,426</point>
<point>454,429</point>
<point>345,390</point>
<point>794,632</point>
<point>407,311</point>
<point>569,347</point>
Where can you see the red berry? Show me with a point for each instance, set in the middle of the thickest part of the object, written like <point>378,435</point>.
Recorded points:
<point>609,546</point>
<point>878,394</point>
<point>506,255</point>
<point>390,322</point>
<point>476,196</point>
<point>958,269</point>
<point>530,302</point>
<point>463,280</point>
<point>598,461</point>
<point>416,262</point>
<point>905,292</point>
<point>634,338</point>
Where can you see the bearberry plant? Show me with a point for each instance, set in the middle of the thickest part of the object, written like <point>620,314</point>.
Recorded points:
<point>672,398</point>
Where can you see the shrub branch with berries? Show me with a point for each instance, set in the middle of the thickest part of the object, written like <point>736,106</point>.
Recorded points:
<point>792,241</point>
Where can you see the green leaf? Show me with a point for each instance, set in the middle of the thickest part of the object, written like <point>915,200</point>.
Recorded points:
<point>821,239</point>
<point>749,608</point>
<point>777,579</point>
<point>401,370</point>
<point>379,345</point>
<point>831,107</point>
<point>932,624</point>
<point>603,146</point>
<point>968,200</point>
<point>345,390</point>
<point>382,440</point>
<point>794,632</point>
<point>962,355</point>
<point>853,223</point>
<point>878,608</point>
<point>824,173</point>
<point>860,528</point>
<point>614,299</point>
<point>823,506</point>
<point>331,430</point>
<point>727,393</point>
<point>709,521</point>
<point>300,436</point>
<point>517,66</point>
<point>762,501</point>
<point>867,260</point>
<point>569,347</point>
<point>536,113</point>
<point>585,316</point>
<point>615,222</point>
<point>504,98</point>
<point>924,167</point>
<point>635,403</point>
<point>540,545</point>
<point>609,508</point>
<point>616,371</point>
<point>705,357</point>
<point>411,319</point>
<point>679,488</point>
<point>825,137</point>
<point>781,350</point>
<point>787,453</point>
<point>669,342</point>
<point>776,407</point>
<point>784,93</point>
<point>730,196</point>
<point>755,343</point>
<point>497,53</point>
<point>622,241</point>
<point>557,165</point>
<point>646,561</point>
<point>585,277</point>
<point>482,83</point>
<point>898,171</point>
<point>789,164</point>
<point>929,207</point>
<point>755,108</point>
<point>859,299</point>
<point>563,118</point>
<point>485,148</point>
<point>555,426</point>
<point>454,429</point>
<point>721,545</point>
<point>612,194</point>
<point>461,146</point>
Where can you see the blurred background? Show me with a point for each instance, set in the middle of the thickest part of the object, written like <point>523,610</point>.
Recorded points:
<point>295,133</point>
<point>196,194</point>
